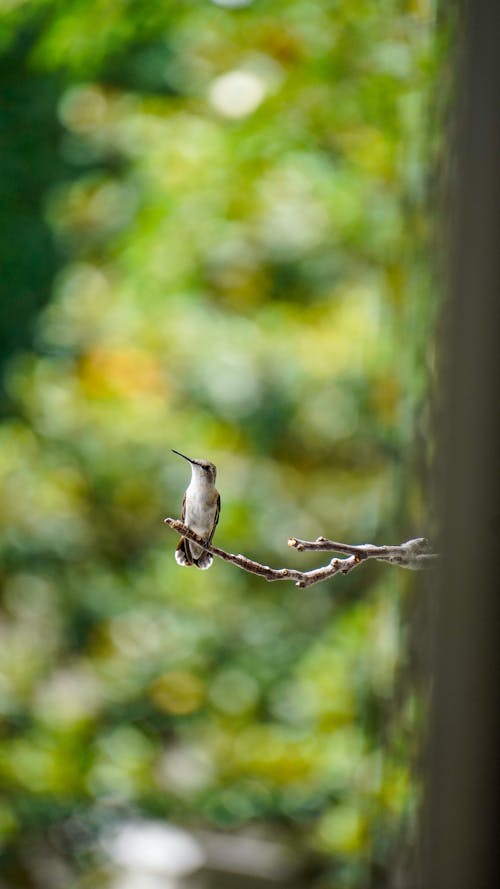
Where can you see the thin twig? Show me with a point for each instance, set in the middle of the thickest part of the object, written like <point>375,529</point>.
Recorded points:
<point>413,554</point>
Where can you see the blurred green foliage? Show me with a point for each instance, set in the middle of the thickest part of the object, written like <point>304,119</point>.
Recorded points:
<point>221,207</point>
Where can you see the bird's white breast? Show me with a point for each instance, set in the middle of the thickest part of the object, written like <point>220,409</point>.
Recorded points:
<point>201,506</point>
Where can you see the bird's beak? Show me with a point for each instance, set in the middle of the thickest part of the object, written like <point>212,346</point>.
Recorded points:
<point>183,455</point>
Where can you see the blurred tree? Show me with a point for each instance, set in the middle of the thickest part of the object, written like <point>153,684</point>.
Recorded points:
<point>31,165</point>
<point>236,205</point>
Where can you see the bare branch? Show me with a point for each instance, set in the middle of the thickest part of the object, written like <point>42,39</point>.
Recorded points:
<point>413,554</point>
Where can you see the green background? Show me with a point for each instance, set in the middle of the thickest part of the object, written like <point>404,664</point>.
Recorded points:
<point>214,238</point>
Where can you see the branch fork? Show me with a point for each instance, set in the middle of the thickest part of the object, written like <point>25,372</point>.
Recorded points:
<point>414,554</point>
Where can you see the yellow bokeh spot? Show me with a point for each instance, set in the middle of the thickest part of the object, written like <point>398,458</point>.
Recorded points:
<point>342,830</point>
<point>177,692</point>
<point>125,372</point>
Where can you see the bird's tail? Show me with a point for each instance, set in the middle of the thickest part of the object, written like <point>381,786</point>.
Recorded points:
<point>183,554</point>
<point>204,561</point>
<point>185,558</point>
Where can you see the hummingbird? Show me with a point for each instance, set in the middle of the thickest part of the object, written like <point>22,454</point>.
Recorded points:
<point>200,511</point>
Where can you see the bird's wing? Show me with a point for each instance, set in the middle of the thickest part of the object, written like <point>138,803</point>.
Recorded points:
<point>216,520</point>
<point>183,545</point>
